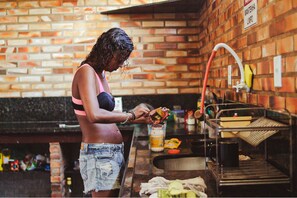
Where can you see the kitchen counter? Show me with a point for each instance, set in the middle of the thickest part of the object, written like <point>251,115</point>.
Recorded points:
<point>45,131</point>
<point>140,167</point>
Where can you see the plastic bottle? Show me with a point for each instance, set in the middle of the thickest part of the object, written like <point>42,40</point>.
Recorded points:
<point>68,189</point>
<point>5,159</point>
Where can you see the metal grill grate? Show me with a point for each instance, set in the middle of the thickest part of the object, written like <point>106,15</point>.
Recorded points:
<point>255,137</point>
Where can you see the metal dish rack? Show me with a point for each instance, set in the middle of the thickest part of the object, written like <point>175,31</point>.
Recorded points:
<point>261,168</point>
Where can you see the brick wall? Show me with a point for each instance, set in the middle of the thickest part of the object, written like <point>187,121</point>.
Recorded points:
<point>274,34</point>
<point>57,170</point>
<point>42,43</point>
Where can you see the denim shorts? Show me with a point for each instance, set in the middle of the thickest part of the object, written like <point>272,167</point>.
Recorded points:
<point>101,166</point>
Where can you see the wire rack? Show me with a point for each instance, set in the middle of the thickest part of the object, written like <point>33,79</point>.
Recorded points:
<point>263,124</point>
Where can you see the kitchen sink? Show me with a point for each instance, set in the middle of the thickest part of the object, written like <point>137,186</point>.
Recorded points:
<point>179,162</point>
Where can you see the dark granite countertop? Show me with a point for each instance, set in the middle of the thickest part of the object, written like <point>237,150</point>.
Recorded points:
<point>140,166</point>
<point>42,127</point>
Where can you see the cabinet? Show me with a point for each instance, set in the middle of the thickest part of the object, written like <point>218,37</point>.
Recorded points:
<point>29,183</point>
<point>266,139</point>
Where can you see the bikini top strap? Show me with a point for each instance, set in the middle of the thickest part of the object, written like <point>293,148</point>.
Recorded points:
<point>101,88</point>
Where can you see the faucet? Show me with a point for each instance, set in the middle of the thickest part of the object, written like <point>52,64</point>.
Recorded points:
<point>239,85</point>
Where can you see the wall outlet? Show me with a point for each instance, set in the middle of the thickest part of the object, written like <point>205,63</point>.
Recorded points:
<point>118,104</point>
<point>229,74</point>
<point>277,71</point>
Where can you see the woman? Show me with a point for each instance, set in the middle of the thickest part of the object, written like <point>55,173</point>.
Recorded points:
<point>101,155</point>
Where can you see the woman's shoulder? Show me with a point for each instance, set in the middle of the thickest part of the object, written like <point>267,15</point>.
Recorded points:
<point>84,70</point>
<point>85,65</point>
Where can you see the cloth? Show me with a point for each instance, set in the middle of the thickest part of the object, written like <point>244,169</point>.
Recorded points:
<point>196,184</point>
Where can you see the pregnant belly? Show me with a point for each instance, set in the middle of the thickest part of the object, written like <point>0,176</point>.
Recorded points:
<point>102,133</point>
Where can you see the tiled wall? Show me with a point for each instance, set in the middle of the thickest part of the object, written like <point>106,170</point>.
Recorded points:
<point>42,43</point>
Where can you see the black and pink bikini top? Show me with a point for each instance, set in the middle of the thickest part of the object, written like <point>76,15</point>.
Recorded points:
<point>105,100</point>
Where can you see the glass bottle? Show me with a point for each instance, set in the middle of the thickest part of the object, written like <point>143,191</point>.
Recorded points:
<point>5,159</point>
<point>68,189</point>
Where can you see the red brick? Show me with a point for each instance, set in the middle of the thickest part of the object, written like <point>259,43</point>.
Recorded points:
<point>291,22</point>
<point>8,19</point>
<point>295,42</point>
<point>277,102</point>
<point>277,28</point>
<point>18,57</point>
<point>61,41</point>
<point>62,71</point>
<point>268,49</point>
<point>130,24</point>
<point>166,46</point>
<point>263,33</point>
<point>291,64</point>
<point>29,49</point>
<point>282,6</point>
<point>54,3</point>
<point>56,179</point>
<point>175,39</point>
<point>262,3</point>
<point>291,104</point>
<point>56,194</point>
<point>268,84</point>
<point>263,100</point>
<point>188,31</point>
<point>153,54</point>
<point>288,85</point>
<point>256,53</point>
<point>252,98</point>
<point>143,76</point>
<point>284,45</point>
<point>51,34</point>
<point>294,4</point>
<point>242,42</point>
<point>56,187</point>
<point>263,68</point>
<point>187,60</point>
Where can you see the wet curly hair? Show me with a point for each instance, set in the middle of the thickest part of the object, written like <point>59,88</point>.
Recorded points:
<point>113,43</point>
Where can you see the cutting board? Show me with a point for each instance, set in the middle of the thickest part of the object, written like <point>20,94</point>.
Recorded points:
<point>232,122</point>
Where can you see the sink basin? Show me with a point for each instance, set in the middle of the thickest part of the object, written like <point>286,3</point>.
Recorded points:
<point>179,162</point>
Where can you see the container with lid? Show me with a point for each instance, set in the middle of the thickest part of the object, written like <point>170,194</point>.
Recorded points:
<point>157,137</point>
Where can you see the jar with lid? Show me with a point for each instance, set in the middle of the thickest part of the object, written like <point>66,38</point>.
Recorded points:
<point>157,137</point>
